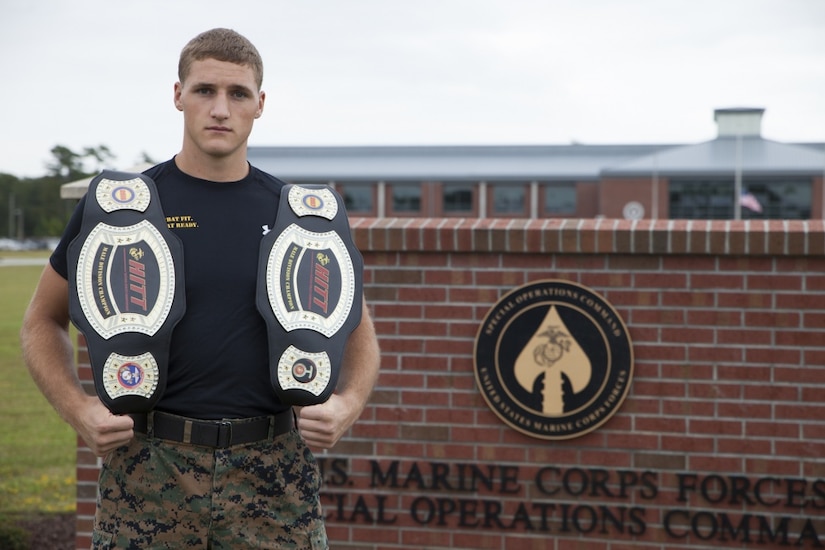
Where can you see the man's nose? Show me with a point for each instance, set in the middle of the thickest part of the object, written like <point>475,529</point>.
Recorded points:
<point>220,108</point>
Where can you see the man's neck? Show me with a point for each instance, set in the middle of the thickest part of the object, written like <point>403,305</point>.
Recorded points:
<point>205,167</point>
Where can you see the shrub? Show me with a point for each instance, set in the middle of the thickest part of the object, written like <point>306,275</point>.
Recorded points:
<point>13,537</point>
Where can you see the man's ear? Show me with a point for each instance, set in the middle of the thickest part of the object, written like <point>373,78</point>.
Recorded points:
<point>178,92</point>
<point>261,100</point>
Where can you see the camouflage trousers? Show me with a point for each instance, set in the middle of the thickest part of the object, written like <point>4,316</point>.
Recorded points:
<point>161,494</point>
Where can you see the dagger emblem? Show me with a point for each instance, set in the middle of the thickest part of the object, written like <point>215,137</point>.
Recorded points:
<point>552,352</point>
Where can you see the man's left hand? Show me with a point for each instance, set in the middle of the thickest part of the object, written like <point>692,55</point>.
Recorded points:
<point>324,424</point>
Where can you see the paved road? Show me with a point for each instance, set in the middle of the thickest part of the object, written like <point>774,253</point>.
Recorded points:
<point>22,261</point>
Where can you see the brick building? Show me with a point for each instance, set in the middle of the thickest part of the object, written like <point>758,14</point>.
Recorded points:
<point>687,181</point>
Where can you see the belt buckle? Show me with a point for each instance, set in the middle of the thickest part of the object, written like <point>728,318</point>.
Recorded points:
<point>224,434</point>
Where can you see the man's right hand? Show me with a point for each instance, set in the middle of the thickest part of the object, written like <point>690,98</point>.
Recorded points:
<point>102,431</point>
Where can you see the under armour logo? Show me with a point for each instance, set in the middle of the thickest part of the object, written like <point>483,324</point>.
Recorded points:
<point>266,229</point>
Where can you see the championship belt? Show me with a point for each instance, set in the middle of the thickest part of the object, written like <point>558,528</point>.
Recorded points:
<point>126,289</point>
<point>309,292</point>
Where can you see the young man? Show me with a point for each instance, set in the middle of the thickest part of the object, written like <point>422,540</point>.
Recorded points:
<point>157,492</point>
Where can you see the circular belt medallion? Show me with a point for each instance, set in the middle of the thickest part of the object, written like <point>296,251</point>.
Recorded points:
<point>132,194</point>
<point>302,370</point>
<point>130,375</point>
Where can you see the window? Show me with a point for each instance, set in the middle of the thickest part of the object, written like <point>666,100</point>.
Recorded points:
<point>406,198</point>
<point>457,198</point>
<point>508,199</point>
<point>701,199</point>
<point>559,199</point>
<point>787,198</point>
<point>359,198</point>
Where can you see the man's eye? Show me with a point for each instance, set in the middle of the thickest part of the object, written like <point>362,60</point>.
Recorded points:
<point>203,91</point>
<point>240,95</point>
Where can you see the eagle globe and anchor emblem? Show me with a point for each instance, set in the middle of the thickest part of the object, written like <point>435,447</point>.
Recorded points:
<point>547,362</point>
<point>553,359</point>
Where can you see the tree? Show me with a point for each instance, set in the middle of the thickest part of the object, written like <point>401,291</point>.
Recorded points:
<point>70,166</point>
<point>66,164</point>
<point>144,157</point>
<point>34,204</point>
<point>8,204</point>
<point>101,154</point>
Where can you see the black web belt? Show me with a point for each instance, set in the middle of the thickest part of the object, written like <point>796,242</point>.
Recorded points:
<point>218,434</point>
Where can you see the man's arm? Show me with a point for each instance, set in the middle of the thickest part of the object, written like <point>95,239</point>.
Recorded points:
<point>48,353</point>
<point>324,424</point>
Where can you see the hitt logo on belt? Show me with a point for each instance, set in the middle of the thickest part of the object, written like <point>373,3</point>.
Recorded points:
<point>553,360</point>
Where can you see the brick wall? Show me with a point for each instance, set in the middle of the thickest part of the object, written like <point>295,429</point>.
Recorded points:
<point>719,443</point>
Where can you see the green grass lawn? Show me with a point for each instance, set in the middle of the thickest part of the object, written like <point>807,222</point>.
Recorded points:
<point>37,449</point>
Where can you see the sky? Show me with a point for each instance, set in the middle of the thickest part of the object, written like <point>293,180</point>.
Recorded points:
<point>86,73</point>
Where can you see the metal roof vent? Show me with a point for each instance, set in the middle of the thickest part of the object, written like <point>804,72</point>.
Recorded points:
<point>743,121</point>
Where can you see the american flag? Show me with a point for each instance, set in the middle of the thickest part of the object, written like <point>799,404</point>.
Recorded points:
<point>749,201</point>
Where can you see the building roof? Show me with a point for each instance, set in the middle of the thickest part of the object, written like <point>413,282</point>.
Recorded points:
<point>77,188</point>
<point>755,156</point>
<point>445,163</point>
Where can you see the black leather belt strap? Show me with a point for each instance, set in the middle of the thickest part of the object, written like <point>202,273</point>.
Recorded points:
<point>126,289</point>
<point>218,434</point>
<point>310,290</point>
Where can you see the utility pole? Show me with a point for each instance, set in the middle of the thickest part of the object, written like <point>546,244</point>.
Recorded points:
<point>11,215</point>
<point>19,213</point>
<point>737,180</point>
<point>654,192</point>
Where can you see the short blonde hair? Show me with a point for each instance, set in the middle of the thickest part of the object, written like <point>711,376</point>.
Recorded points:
<point>222,45</point>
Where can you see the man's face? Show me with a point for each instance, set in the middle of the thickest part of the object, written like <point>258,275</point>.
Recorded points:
<point>219,101</point>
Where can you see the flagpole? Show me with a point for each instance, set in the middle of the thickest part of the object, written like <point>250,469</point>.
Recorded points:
<point>737,180</point>
<point>654,198</point>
